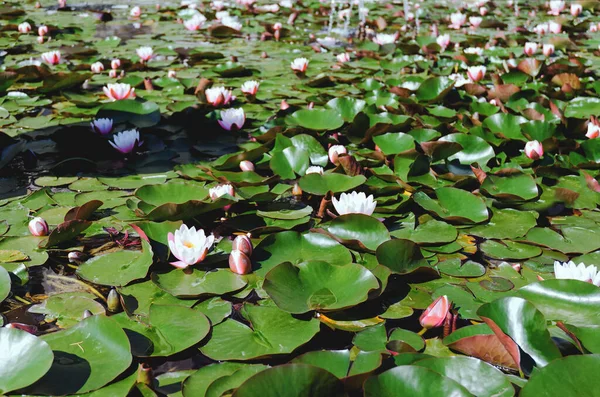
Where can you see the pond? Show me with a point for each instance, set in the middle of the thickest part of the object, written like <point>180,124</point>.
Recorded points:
<point>303,198</point>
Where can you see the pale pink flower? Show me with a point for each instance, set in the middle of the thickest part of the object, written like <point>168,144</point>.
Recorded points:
<point>277,26</point>
<point>119,91</point>
<point>51,57</point>
<point>135,12</point>
<point>126,141</point>
<point>145,53</point>
<point>113,73</point>
<point>102,126</point>
<point>190,246</point>
<point>436,313</point>
<point>475,21</point>
<point>299,65</point>
<point>554,27</point>
<point>115,64</point>
<point>476,73</point>
<point>38,227</point>
<point>334,152</point>
<point>443,41</point>
<point>593,129</point>
<point>576,9</point>
<point>42,30</point>
<point>548,49</point>
<point>24,27</point>
<point>457,19</point>
<point>556,7</point>
<point>220,191</point>
<point>383,38</point>
<point>250,87</point>
<point>541,28</point>
<point>97,67</point>
<point>246,165</point>
<point>171,74</point>
<point>483,11</point>
<point>534,150</point>
<point>530,48</point>
<point>218,96</point>
<point>195,22</point>
<point>232,118</point>
<point>343,57</point>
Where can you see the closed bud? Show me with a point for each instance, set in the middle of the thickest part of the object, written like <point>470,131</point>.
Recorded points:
<point>239,263</point>
<point>297,190</point>
<point>38,227</point>
<point>246,165</point>
<point>436,313</point>
<point>87,313</point>
<point>112,301</point>
<point>242,243</point>
<point>76,257</point>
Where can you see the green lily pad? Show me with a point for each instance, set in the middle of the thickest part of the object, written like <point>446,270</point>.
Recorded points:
<point>363,230</point>
<point>401,256</point>
<point>198,283</point>
<point>316,119</point>
<point>336,183</point>
<point>67,308</point>
<point>454,205</point>
<point>412,380</point>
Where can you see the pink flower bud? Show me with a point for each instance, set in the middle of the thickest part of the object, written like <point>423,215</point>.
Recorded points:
<point>38,227</point>
<point>576,9</point>
<point>534,150</point>
<point>283,105</point>
<point>335,151</point>
<point>24,27</point>
<point>239,263</point>
<point>548,49</point>
<point>113,74</point>
<point>246,165</point>
<point>436,313</point>
<point>530,48</point>
<point>43,30</point>
<point>97,67</point>
<point>242,243</point>
<point>171,74</point>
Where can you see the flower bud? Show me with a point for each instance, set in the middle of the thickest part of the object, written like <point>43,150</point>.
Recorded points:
<point>76,257</point>
<point>38,227</point>
<point>335,151</point>
<point>242,243</point>
<point>112,301</point>
<point>246,165</point>
<point>171,74</point>
<point>436,313</point>
<point>534,150</point>
<point>297,190</point>
<point>239,263</point>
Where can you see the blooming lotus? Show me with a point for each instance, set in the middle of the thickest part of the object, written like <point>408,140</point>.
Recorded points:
<point>218,96</point>
<point>299,65</point>
<point>570,271</point>
<point>250,87</point>
<point>457,19</point>
<point>102,126</point>
<point>115,64</point>
<point>436,313</point>
<point>42,30</point>
<point>576,9</point>
<point>232,118</point>
<point>126,141</point>
<point>51,57</point>
<point>24,27</point>
<point>314,169</point>
<point>530,48</point>
<point>343,57</point>
<point>548,49</point>
<point>475,21</point>
<point>334,152</point>
<point>190,246</point>
<point>383,38</point>
<point>221,190</point>
<point>534,150</point>
<point>593,128</point>
<point>97,67</point>
<point>476,73</point>
<point>135,12</point>
<point>119,91</point>
<point>354,203</point>
<point>443,41</point>
<point>195,22</point>
<point>38,227</point>
<point>145,53</point>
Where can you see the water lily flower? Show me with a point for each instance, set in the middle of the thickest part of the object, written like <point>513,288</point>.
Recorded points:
<point>476,73</point>
<point>383,38</point>
<point>272,8</point>
<point>457,19</point>
<point>62,3</point>
<point>541,28</point>
<point>530,48</point>
<point>102,126</point>
<point>334,152</point>
<point>113,74</point>
<point>277,26</point>
<point>115,64</point>
<point>119,91</point>
<point>570,271</point>
<point>51,57</point>
<point>250,87</point>
<point>231,22</point>
<point>221,14</point>
<point>97,67</point>
<point>593,28</point>
<point>246,165</point>
<point>576,9</point>
<point>299,65</point>
<point>554,27</point>
<point>314,169</point>
<point>232,117</point>
<point>548,50</point>
<point>171,74</point>
<point>534,150</point>
<point>221,190</point>
<point>593,128</point>
<point>24,27</point>
<point>436,313</point>
<point>42,30</point>
<point>38,227</point>
<point>135,12</point>
<point>145,53</point>
<point>459,79</point>
<point>218,96</point>
<point>343,57</point>
<point>556,7</point>
<point>190,246</point>
<point>475,21</point>
<point>242,243</point>
<point>217,5</point>
<point>195,22</point>
<point>126,141</point>
<point>239,262</point>
<point>483,11</point>
<point>443,41</point>
<point>474,51</point>
<point>354,203</point>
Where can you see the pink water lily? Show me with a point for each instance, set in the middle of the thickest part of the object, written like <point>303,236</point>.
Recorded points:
<point>548,50</point>
<point>457,19</point>
<point>246,165</point>
<point>115,64</point>
<point>554,27</point>
<point>384,38</point>
<point>145,53</point>
<point>218,96</point>
<point>475,21</point>
<point>221,190</point>
<point>195,22</point>
<point>476,73</point>
<point>593,128</point>
<point>443,41</point>
<point>135,12</point>
<point>239,263</point>
<point>119,91</point>
<point>250,87</point>
<point>530,48</point>
<point>343,57</point>
<point>42,30</point>
<point>97,67</point>
<point>576,9</point>
<point>299,65</point>
<point>38,227</point>
<point>51,57</point>
<point>556,7</point>
<point>102,126</point>
<point>334,152</point>
<point>189,245</point>
<point>534,150</point>
<point>231,118</point>
<point>126,141</point>
<point>24,27</point>
<point>436,313</point>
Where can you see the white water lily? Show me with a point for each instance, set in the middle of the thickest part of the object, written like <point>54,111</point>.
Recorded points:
<point>232,117</point>
<point>126,141</point>
<point>119,91</point>
<point>570,271</point>
<point>250,87</point>
<point>102,126</point>
<point>221,190</point>
<point>145,53</point>
<point>354,203</point>
<point>383,38</point>
<point>231,22</point>
<point>299,65</point>
<point>190,246</point>
<point>218,96</point>
<point>314,169</point>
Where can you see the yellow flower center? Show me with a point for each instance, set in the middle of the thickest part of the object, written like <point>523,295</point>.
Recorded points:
<point>188,244</point>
